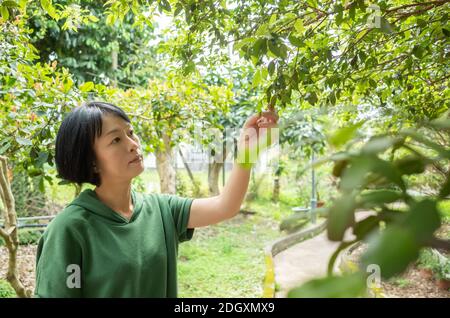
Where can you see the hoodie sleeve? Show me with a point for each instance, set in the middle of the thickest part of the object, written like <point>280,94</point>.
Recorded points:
<point>180,208</point>
<point>58,262</point>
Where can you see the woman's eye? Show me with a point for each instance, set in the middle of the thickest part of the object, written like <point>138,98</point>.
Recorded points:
<point>115,140</point>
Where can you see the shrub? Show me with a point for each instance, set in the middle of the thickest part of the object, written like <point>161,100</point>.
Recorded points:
<point>27,237</point>
<point>6,291</point>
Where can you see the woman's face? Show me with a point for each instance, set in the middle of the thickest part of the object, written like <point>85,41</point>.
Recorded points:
<point>117,151</point>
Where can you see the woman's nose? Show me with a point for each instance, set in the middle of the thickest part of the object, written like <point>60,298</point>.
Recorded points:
<point>133,143</point>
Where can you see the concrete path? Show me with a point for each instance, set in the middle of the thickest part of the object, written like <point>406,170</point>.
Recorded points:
<point>306,260</point>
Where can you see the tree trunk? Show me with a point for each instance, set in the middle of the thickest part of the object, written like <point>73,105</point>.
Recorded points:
<point>276,189</point>
<point>214,169</point>
<point>165,166</point>
<point>191,176</point>
<point>9,232</point>
<point>213,177</point>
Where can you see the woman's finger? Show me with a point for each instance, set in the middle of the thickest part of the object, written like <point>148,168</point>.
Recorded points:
<point>270,115</point>
<point>252,120</point>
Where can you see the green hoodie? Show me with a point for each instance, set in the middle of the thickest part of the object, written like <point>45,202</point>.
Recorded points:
<point>89,250</point>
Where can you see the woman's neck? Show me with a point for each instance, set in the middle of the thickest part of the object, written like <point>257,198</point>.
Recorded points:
<point>117,197</point>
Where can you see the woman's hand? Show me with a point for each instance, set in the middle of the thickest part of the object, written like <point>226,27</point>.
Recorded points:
<point>259,132</point>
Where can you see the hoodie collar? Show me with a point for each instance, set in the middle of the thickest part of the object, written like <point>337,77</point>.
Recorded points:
<point>89,200</point>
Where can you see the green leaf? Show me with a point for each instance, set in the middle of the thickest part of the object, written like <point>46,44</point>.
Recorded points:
<point>392,250</point>
<point>68,83</point>
<point>388,171</point>
<point>354,176</point>
<point>239,44</point>
<point>23,4</point>
<point>4,12</point>
<point>295,41</point>
<point>380,144</point>
<point>87,87</point>
<point>10,4</point>
<point>273,19</point>
<point>353,285</point>
<point>262,30</point>
<point>386,27</point>
<point>23,141</point>
<point>366,226</point>
<point>41,184</point>
<point>340,15</point>
<point>4,148</point>
<point>311,97</point>
<point>341,217</point>
<point>49,8</point>
<point>257,78</point>
<point>444,191</point>
<point>410,165</point>
<point>344,134</point>
<point>419,137</point>
<point>418,51</point>
<point>339,167</point>
<point>42,158</point>
<point>271,67</point>
<point>93,18</point>
<point>283,51</point>
<point>274,48</point>
<point>259,47</point>
<point>298,25</point>
<point>164,4</point>
<point>34,172</point>
<point>378,197</point>
<point>64,182</point>
<point>423,220</point>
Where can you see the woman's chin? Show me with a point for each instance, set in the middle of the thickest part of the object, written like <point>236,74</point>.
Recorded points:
<point>139,170</point>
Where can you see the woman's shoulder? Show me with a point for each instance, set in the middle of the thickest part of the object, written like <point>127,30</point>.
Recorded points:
<point>70,217</point>
<point>159,198</point>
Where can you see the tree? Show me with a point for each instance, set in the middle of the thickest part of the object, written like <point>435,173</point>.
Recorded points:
<point>242,106</point>
<point>374,174</point>
<point>33,97</point>
<point>9,230</point>
<point>120,54</point>
<point>392,55</point>
<point>168,112</point>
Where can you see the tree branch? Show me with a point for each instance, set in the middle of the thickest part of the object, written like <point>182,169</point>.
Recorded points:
<point>439,244</point>
<point>432,3</point>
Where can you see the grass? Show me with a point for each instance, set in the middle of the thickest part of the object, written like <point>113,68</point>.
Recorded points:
<point>6,291</point>
<point>227,259</point>
<point>444,209</point>
<point>401,282</point>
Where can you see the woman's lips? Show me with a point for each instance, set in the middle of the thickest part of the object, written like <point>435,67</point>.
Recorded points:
<point>137,160</point>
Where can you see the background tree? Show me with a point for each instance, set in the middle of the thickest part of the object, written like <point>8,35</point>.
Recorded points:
<point>33,97</point>
<point>166,113</point>
<point>120,54</point>
<point>392,55</point>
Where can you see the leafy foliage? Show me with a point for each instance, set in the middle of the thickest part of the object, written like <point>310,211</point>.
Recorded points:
<point>91,48</point>
<point>33,97</point>
<point>392,56</point>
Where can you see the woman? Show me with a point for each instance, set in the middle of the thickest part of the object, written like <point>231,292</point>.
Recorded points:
<point>113,241</point>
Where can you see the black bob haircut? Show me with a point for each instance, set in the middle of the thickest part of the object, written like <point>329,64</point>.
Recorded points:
<point>74,150</point>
